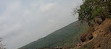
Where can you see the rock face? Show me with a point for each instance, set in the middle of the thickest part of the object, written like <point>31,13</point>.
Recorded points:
<point>99,38</point>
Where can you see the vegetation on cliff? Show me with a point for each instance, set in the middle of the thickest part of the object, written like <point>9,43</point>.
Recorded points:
<point>90,10</point>
<point>97,14</point>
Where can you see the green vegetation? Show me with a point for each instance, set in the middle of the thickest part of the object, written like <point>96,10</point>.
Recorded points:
<point>65,37</point>
<point>90,10</point>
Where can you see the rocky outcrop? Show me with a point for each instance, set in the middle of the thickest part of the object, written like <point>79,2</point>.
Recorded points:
<point>100,38</point>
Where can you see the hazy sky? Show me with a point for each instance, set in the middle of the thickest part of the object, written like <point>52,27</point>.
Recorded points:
<point>24,21</point>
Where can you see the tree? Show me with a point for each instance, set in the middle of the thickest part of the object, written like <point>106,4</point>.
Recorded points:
<point>90,10</point>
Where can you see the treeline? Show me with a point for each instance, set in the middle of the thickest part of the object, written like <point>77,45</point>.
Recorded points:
<point>92,11</point>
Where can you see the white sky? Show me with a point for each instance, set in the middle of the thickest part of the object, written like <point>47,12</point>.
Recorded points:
<point>24,21</point>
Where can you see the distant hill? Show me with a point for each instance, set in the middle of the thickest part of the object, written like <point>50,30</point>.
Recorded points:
<point>67,36</point>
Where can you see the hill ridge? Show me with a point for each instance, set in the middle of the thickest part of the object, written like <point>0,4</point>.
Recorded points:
<point>62,37</point>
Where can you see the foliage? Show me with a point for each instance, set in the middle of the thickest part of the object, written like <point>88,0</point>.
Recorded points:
<point>92,9</point>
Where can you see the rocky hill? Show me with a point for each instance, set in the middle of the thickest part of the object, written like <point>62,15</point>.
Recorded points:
<point>99,38</point>
<point>97,13</point>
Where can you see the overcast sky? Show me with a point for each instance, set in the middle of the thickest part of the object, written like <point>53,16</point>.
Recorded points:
<point>24,21</point>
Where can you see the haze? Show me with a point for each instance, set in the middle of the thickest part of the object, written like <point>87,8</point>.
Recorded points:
<point>24,21</point>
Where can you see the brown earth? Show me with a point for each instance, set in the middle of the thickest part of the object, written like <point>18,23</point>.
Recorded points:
<point>97,38</point>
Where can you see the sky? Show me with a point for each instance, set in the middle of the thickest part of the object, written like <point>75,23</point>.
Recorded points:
<point>25,21</point>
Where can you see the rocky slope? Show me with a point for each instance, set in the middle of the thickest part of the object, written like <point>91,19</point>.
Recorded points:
<point>97,38</point>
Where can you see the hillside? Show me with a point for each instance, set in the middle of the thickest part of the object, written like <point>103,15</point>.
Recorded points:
<point>97,13</point>
<point>67,36</point>
<point>101,37</point>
